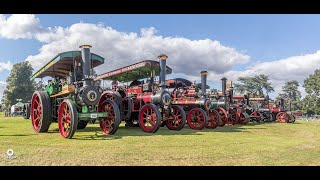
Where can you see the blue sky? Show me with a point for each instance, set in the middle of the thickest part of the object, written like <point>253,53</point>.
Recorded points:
<point>264,38</point>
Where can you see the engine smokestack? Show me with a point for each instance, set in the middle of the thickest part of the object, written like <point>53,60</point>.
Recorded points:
<point>162,77</point>
<point>231,94</point>
<point>281,103</point>
<point>203,82</point>
<point>86,64</point>
<point>224,85</point>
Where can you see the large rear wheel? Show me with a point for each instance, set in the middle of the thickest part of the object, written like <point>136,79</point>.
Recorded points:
<point>111,95</point>
<point>110,124</point>
<point>67,119</point>
<point>283,117</point>
<point>150,118</point>
<point>40,111</point>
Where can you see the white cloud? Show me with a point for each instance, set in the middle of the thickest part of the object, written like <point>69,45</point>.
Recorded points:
<point>19,26</point>
<point>185,55</point>
<point>122,48</point>
<point>279,71</point>
<point>5,66</point>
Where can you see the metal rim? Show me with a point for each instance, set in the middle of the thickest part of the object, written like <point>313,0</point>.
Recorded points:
<point>213,119</point>
<point>243,119</point>
<point>36,113</point>
<point>283,118</point>
<point>223,116</point>
<point>64,119</point>
<point>196,118</point>
<point>177,119</point>
<point>232,117</point>
<point>149,119</point>
<point>107,125</point>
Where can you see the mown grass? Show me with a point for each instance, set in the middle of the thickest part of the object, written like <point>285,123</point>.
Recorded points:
<point>266,144</point>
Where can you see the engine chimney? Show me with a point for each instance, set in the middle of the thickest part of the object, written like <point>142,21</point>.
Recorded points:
<point>281,103</point>
<point>224,85</point>
<point>86,64</point>
<point>231,94</point>
<point>162,78</point>
<point>247,100</point>
<point>267,99</point>
<point>203,82</point>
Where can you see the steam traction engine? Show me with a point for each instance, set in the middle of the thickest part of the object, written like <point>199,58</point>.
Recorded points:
<point>281,114</point>
<point>194,99</point>
<point>148,102</point>
<point>72,98</point>
<point>258,108</point>
<point>223,101</point>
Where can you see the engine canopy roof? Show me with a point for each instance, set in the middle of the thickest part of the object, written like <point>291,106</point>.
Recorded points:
<point>63,63</point>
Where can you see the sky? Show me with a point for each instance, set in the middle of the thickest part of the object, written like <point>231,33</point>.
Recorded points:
<point>283,47</point>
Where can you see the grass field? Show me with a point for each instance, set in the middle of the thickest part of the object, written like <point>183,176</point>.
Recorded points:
<point>254,144</point>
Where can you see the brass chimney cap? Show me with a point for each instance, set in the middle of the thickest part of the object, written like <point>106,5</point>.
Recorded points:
<point>85,46</point>
<point>204,72</point>
<point>163,57</point>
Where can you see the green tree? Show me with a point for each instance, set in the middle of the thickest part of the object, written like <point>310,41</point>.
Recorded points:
<point>39,86</point>
<point>312,84</point>
<point>311,103</point>
<point>19,84</point>
<point>291,95</point>
<point>255,86</point>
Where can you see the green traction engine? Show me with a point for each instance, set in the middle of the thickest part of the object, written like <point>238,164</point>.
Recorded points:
<point>72,97</point>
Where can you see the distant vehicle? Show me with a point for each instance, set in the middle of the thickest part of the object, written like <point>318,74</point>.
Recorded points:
<point>17,109</point>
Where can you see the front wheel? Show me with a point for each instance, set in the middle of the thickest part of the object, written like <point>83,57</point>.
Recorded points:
<point>67,119</point>
<point>232,117</point>
<point>110,124</point>
<point>149,118</point>
<point>256,116</point>
<point>177,119</point>
<point>214,119</point>
<point>197,118</point>
<point>223,116</point>
<point>244,118</point>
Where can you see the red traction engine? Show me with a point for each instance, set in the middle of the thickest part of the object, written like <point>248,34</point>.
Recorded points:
<point>148,102</point>
<point>230,112</point>
<point>238,107</point>
<point>194,100</point>
<point>281,114</point>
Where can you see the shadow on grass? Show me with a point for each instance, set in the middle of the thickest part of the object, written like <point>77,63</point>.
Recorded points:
<point>163,131</point>
<point>123,131</point>
<point>17,135</point>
